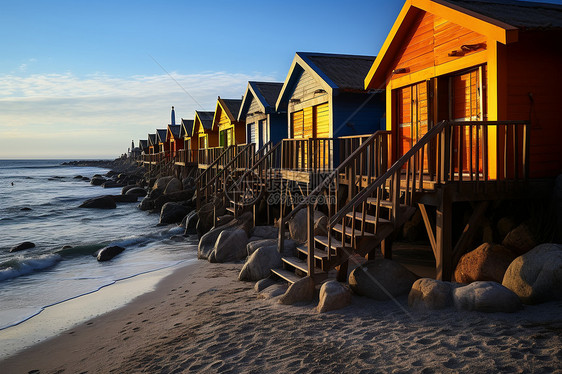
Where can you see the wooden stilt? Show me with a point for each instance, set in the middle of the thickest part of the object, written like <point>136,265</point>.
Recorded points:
<point>310,230</point>
<point>428,228</point>
<point>444,241</point>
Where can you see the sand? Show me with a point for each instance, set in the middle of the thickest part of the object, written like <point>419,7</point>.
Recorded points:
<point>202,319</point>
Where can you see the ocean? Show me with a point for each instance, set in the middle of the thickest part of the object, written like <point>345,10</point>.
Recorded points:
<point>39,202</point>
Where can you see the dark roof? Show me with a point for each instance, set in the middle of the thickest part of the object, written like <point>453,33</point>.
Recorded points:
<point>143,144</point>
<point>346,71</point>
<point>186,127</point>
<point>206,119</point>
<point>233,106</point>
<point>161,135</point>
<point>175,130</point>
<point>521,14</point>
<point>269,91</point>
<point>152,139</point>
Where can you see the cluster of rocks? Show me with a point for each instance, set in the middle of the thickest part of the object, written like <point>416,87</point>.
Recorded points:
<point>172,198</point>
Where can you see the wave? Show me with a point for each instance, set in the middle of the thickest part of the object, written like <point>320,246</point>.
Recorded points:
<point>21,266</point>
<point>80,250</point>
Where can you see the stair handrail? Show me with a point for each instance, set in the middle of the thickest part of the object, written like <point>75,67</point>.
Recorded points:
<point>326,181</point>
<point>242,150</point>
<point>257,163</point>
<point>214,163</point>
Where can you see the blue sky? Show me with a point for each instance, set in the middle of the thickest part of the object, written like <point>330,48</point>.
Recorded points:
<point>78,79</point>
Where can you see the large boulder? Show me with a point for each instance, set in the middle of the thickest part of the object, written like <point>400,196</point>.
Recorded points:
<point>333,295</point>
<point>146,204</point>
<point>488,262</point>
<point>298,225</point>
<point>208,240</point>
<point>300,291</point>
<point>102,202</point>
<point>381,279</point>
<point>289,246</point>
<point>230,246</point>
<point>22,246</point>
<point>320,224</point>
<point>265,232</point>
<point>536,276</point>
<point>161,183</point>
<point>486,297</point>
<point>125,198</point>
<point>262,284</point>
<point>174,185</point>
<point>260,263</point>
<point>111,184</point>
<point>520,240</point>
<point>190,223</point>
<point>188,183</point>
<point>107,253</point>
<point>136,191</point>
<point>173,213</point>
<point>429,294</point>
<point>97,180</point>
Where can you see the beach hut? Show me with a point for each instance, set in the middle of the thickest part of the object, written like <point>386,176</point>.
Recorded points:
<point>152,144</point>
<point>174,140</point>
<point>324,98</point>
<point>143,146</point>
<point>263,122</point>
<point>475,61</point>
<point>189,141</point>
<point>231,131</point>
<point>206,137</point>
<point>163,145</point>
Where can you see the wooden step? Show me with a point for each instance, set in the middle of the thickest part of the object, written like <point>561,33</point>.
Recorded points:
<point>384,203</point>
<point>230,209</point>
<point>368,218</point>
<point>318,253</point>
<point>335,244</point>
<point>287,275</point>
<point>297,263</point>
<point>339,228</point>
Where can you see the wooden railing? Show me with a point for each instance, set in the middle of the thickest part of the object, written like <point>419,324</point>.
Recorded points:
<point>311,154</point>
<point>371,155</point>
<point>450,152</point>
<point>207,156</point>
<point>186,156</point>
<point>154,158</point>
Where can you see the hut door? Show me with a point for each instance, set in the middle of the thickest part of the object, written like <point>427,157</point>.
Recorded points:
<point>263,136</point>
<point>412,116</point>
<point>251,133</point>
<point>466,105</point>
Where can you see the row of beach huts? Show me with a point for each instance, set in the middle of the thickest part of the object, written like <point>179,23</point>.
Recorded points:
<point>460,108</point>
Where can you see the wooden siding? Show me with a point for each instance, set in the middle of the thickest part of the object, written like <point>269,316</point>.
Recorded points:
<point>322,113</point>
<point>297,130</point>
<point>307,88</point>
<point>533,65</point>
<point>412,113</point>
<point>254,107</point>
<point>430,42</point>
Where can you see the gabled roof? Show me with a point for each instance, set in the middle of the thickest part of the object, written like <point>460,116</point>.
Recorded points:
<point>186,127</point>
<point>231,107</point>
<point>143,144</point>
<point>152,139</point>
<point>173,130</point>
<point>206,119</point>
<point>500,20</point>
<point>265,93</point>
<point>161,135</point>
<point>521,14</point>
<point>333,71</point>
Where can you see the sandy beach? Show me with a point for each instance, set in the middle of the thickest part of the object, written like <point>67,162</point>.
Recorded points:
<point>202,319</point>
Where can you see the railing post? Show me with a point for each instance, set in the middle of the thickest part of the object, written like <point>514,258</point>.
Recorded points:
<point>310,237</point>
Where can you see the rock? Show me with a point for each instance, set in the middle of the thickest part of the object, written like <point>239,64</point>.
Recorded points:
<point>297,226</point>
<point>136,191</point>
<point>333,295</point>
<point>429,294</point>
<point>264,283</point>
<point>223,220</point>
<point>161,183</point>
<point>108,253</point>
<point>265,232</point>
<point>188,183</point>
<point>504,226</point>
<point>146,204</point>
<point>536,276</point>
<point>174,185</point>
<point>86,179</point>
<point>127,188</point>
<point>260,263</point>
<point>273,291</point>
<point>177,238</point>
<point>173,213</point>
<point>486,297</point>
<point>102,202</point>
<point>301,290</point>
<point>25,209</point>
<point>111,184</point>
<point>179,196</point>
<point>22,246</point>
<point>208,240</point>
<point>488,262</point>
<point>190,223</point>
<point>321,225</point>
<point>230,246</point>
<point>78,177</point>
<point>97,180</point>
<point>254,245</point>
<point>124,198</point>
<point>393,277</point>
<point>520,240</point>
<point>66,246</point>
